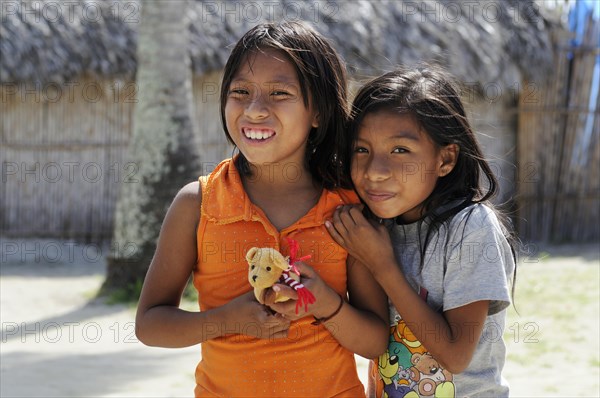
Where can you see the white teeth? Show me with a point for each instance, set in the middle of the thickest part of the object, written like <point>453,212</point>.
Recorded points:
<point>257,134</point>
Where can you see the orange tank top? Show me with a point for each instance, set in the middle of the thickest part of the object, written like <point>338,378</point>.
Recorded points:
<point>309,362</point>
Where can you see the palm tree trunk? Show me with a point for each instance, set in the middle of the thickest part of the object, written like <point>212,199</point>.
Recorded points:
<point>162,146</point>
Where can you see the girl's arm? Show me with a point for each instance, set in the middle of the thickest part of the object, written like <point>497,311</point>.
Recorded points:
<point>361,325</point>
<point>370,300</point>
<point>451,337</point>
<point>159,320</point>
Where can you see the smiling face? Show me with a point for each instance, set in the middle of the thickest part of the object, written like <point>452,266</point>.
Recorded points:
<point>265,112</point>
<point>395,165</point>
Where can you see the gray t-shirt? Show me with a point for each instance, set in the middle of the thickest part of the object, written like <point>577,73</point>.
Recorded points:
<point>466,260</point>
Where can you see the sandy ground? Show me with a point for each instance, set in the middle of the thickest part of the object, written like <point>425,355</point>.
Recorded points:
<point>57,341</point>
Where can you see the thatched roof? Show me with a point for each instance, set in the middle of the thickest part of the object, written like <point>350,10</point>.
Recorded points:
<point>480,41</point>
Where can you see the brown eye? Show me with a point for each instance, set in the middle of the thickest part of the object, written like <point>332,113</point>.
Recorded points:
<point>252,266</point>
<point>269,269</point>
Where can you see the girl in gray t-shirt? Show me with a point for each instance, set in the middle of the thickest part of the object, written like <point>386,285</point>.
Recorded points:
<point>429,236</point>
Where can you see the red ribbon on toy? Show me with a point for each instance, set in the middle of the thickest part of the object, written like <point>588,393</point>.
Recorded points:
<point>305,297</point>
<point>294,247</point>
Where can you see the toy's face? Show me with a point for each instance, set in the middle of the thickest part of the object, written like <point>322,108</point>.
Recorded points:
<point>263,269</point>
<point>388,365</point>
<point>426,364</point>
<point>263,276</point>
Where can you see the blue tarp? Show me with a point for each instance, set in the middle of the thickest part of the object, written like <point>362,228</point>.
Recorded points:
<point>578,18</point>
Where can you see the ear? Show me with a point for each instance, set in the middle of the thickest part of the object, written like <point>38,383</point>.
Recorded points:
<point>251,253</point>
<point>448,158</point>
<point>281,262</point>
<point>315,122</point>
<point>416,357</point>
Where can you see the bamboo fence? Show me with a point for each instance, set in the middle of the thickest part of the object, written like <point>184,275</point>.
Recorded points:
<point>559,148</point>
<point>63,158</point>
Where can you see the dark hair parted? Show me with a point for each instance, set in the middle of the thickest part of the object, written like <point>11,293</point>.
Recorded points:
<point>323,84</point>
<point>432,96</point>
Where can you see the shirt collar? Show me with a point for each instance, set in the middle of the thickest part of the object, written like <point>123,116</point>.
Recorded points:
<point>226,201</point>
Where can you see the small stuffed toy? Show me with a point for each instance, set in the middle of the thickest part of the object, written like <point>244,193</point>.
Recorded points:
<point>267,266</point>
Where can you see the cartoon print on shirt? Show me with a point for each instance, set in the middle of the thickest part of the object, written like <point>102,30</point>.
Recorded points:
<point>407,370</point>
<point>429,376</point>
<point>402,334</point>
<point>393,366</point>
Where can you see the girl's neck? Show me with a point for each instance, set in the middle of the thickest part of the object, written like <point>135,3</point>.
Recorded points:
<point>278,177</point>
<point>284,194</point>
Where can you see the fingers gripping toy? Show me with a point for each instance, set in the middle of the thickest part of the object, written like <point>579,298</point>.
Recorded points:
<point>267,266</point>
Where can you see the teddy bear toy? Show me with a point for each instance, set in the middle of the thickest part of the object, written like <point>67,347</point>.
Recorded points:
<point>430,377</point>
<point>267,266</point>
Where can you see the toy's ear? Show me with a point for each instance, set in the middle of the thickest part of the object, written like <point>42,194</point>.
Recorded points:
<point>416,357</point>
<point>281,262</point>
<point>251,254</point>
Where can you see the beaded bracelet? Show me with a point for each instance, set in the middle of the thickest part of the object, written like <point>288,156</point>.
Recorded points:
<point>319,321</point>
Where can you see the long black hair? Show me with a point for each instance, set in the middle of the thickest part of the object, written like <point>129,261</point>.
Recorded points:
<point>322,77</point>
<point>432,96</point>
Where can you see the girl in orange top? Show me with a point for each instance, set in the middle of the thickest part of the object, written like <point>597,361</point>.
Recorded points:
<point>284,105</point>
